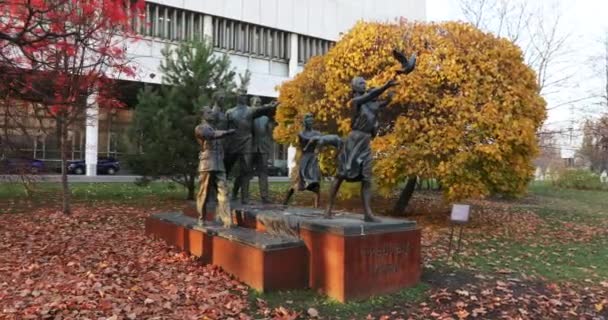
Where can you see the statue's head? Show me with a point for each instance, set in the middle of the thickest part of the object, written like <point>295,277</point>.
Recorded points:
<point>358,85</point>
<point>241,97</point>
<point>309,120</point>
<point>219,97</point>
<point>208,114</point>
<point>255,101</point>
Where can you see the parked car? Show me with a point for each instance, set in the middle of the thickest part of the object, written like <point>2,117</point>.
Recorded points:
<point>21,166</point>
<point>104,166</point>
<point>275,171</point>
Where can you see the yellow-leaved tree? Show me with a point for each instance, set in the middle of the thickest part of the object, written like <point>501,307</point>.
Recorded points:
<point>467,115</point>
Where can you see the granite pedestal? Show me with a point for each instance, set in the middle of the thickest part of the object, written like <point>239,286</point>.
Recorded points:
<point>276,247</point>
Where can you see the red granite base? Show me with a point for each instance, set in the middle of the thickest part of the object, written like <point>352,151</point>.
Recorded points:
<point>356,267</point>
<point>195,242</point>
<point>264,266</point>
<point>331,257</point>
<point>263,270</point>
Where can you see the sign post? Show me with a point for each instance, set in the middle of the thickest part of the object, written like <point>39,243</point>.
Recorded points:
<point>459,217</point>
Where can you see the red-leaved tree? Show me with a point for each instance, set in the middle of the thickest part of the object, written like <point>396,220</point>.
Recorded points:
<point>61,55</point>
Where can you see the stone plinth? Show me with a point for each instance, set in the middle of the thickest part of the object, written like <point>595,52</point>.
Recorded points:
<point>263,261</point>
<point>179,230</point>
<point>276,247</point>
<point>352,259</point>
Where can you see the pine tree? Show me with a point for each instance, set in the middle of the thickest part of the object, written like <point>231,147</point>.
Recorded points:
<point>165,119</point>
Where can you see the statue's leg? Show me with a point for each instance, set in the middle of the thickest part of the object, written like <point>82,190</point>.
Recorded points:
<point>333,191</point>
<point>245,175</point>
<point>223,212</point>
<point>236,187</point>
<point>317,198</point>
<point>261,163</point>
<point>201,198</point>
<point>317,192</point>
<point>366,196</point>
<point>229,162</point>
<point>288,195</point>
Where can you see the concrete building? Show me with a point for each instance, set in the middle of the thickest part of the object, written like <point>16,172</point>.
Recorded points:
<point>272,39</point>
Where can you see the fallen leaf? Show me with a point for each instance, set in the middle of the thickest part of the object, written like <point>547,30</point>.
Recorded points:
<point>313,312</point>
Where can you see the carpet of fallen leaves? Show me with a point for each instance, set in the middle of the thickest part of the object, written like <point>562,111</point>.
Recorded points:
<point>98,264</point>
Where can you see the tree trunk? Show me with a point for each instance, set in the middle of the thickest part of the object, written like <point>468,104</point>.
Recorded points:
<point>405,196</point>
<point>64,173</point>
<point>191,187</point>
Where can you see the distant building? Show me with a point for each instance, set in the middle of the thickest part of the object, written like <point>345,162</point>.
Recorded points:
<point>271,38</point>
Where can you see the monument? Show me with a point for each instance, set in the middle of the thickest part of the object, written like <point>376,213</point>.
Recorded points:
<point>277,247</point>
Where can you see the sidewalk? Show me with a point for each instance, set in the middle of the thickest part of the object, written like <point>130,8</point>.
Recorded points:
<point>103,178</point>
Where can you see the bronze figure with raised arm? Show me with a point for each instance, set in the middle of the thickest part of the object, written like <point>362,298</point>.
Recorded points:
<point>355,156</point>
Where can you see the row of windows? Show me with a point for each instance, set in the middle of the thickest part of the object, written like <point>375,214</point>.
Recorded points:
<point>251,39</point>
<point>183,25</point>
<point>309,47</point>
<point>170,23</point>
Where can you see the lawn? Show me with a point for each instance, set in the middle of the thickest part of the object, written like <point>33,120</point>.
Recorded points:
<point>544,256</point>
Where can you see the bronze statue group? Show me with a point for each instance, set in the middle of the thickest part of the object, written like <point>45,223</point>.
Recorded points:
<point>247,133</point>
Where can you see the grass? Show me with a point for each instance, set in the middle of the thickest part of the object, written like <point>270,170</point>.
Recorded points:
<point>573,246</point>
<point>572,262</point>
<point>49,194</point>
<point>302,300</point>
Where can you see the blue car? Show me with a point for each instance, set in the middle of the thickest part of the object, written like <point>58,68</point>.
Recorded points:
<point>104,166</point>
<point>21,166</point>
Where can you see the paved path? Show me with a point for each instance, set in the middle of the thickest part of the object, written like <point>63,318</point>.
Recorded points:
<point>102,178</point>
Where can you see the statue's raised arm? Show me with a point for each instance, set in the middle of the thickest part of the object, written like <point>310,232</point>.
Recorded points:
<point>266,110</point>
<point>359,85</point>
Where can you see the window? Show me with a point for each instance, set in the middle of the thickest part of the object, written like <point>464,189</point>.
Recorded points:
<point>182,25</point>
<point>179,24</point>
<point>309,47</point>
<point>172,23</point>
<point>169,21</point>
<point>187,26</point>
<point>197,27</point>
<point>250,39</point>
<point>160,24</point>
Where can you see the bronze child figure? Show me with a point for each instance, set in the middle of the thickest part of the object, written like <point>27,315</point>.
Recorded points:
<point>211,168</point>
<point>309,173</point>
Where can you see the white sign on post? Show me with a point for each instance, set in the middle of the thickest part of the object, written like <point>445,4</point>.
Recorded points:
<point>460,213</point>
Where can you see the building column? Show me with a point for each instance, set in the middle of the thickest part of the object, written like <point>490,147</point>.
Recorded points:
<point>92,135</point>
<point>208,27</point>
<point>293,70</point>
<point>293,58</point>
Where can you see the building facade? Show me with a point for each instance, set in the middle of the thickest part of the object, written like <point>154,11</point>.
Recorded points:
<point>273,39</point>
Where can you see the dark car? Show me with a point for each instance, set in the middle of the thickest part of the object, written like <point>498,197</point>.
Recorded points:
<point>275,171</point>
<point>104,166</point>
<point>21,166</point>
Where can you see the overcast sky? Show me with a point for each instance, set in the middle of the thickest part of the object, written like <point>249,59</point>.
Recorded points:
<point>587,23</point>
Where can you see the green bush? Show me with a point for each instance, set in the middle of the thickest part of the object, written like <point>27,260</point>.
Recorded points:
<point>579,179</point>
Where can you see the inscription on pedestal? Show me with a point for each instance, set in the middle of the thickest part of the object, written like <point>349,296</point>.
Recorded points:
<point>399,249</point>
<point>386,259</point>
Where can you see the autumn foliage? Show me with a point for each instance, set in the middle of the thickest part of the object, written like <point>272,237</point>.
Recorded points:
<point>467,116</point>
